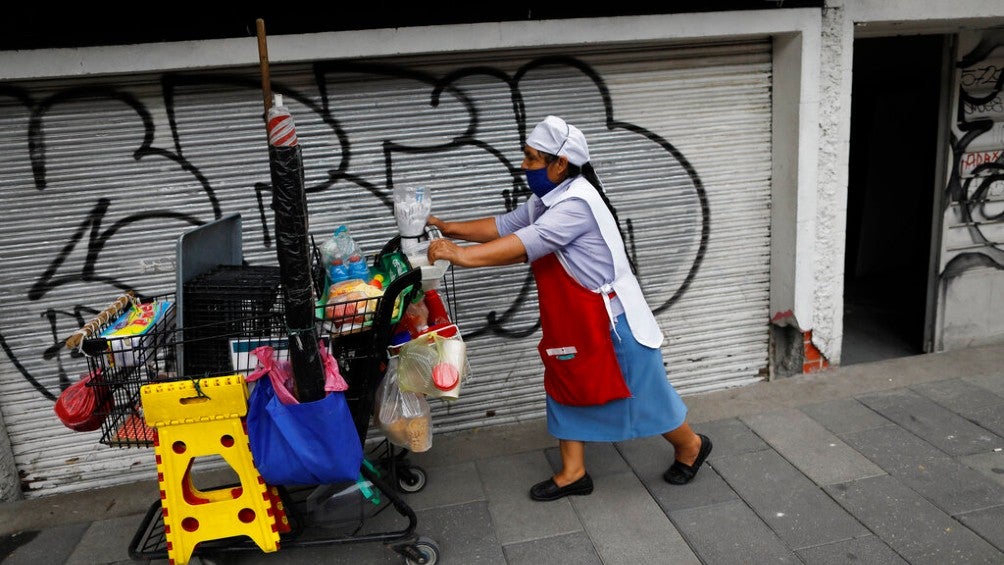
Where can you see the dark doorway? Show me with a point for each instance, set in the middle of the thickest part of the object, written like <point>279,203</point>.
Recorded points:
<point>890,194</point>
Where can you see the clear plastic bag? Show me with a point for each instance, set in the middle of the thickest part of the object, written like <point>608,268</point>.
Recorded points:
<point>412,205</point>
<point>404,417</point>
<point>434,364</point>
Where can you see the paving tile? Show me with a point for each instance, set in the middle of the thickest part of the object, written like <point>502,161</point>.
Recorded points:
<point>936,424</point>
<point>913,527</point>
<point>627,526</point>
<point>994,383</point>
<point>958,395</point>
<point>569,548</point>
<point>844,416</point>
<point>485,442</point>
<point>56,545</point>
<point>602,458</point>
<point>464,534</point>
<point>445,486</point>
<point>351,548</point>
<point>15,539</point>
<point>892,446</point>
<point>507,480</point>
<point>650,457</point>
<point>730,533</point>
<point>949,484</point>
<point>988,523</point>
<point>991,465</point>
<point>731,437</point>
<point>799,512</point>
<point>989,417</point>
<point>820,455</point>
<point>105,541</point>
<point>867,549</point>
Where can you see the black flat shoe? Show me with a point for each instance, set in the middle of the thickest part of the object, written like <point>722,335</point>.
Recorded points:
<point>680,473</point>
<point>548,490</point>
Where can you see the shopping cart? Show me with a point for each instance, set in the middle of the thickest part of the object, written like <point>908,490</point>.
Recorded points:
<point>228,312</point>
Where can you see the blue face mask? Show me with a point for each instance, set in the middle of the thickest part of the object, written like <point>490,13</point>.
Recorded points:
<point>538,181</point>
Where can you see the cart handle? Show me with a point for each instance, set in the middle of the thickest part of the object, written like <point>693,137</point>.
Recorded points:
<point>89,328</point>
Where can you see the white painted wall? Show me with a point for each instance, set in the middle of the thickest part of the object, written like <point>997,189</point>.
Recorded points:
<point>401,41</point>
<point>843,20</point>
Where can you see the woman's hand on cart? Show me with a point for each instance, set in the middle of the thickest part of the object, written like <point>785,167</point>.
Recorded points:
<point>505,250</point>
<point>445,249</point>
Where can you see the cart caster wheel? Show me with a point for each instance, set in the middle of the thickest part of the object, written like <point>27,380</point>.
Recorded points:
<point>411,479</point>
<point>429,550</point>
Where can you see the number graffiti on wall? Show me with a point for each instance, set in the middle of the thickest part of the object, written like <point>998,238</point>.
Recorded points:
<point>101,227</point>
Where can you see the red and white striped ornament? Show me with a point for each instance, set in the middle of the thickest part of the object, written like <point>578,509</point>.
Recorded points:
<point>281,129</point>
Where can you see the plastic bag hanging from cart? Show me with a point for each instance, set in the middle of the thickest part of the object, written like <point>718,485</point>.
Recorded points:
<point>404,417</point>
<point>311,443</point>
<point>434,363</point>
<point>82,407</point>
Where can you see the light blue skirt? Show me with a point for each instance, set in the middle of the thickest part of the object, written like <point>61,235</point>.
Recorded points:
<point>653,408</point>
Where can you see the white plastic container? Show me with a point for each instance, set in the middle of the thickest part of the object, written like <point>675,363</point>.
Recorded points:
<point>417,253</point>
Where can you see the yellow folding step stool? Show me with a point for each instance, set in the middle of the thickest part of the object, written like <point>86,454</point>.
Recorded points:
<point>201,418</point>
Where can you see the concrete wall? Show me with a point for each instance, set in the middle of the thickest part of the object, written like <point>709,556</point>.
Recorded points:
<point>10,487</point>
<point>843,20</point>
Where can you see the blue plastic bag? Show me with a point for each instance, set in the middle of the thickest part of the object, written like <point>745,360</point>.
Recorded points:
<point>315,443</point>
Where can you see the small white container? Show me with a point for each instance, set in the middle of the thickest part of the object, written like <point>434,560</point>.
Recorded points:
<point>418,257</point>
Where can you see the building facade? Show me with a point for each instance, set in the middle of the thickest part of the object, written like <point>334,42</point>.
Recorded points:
<point>724,139</point>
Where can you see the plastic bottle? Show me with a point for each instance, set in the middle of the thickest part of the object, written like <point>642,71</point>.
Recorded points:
<point>412,205</point>
<point>415,319</point>
<point>437,310</point>
<point>352,255</point>
<point>357,269</point>
<point>334,262</point>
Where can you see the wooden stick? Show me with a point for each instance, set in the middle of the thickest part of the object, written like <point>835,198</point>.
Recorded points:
<point>90,327</point>
<point>266,82</point>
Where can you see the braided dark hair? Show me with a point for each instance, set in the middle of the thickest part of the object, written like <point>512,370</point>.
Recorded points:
<point>587,172</point>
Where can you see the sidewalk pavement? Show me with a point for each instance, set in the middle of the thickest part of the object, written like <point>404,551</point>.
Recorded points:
<point>900,461</point>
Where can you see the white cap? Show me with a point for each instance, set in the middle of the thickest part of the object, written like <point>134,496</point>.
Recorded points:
<point>557,137</point>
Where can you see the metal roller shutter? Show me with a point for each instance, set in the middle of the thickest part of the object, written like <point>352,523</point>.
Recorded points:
<point>100,176</point>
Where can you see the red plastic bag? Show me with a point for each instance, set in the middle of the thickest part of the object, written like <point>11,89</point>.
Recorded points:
<point>82,408</point>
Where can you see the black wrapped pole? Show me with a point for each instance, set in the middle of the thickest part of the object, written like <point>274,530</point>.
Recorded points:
<point>289,202</point>
<point>291,237</point>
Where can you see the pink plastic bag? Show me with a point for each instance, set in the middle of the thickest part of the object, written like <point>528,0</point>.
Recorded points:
<point>281,373</point>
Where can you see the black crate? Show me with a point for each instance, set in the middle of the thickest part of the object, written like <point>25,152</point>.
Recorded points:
<point>228,302</point>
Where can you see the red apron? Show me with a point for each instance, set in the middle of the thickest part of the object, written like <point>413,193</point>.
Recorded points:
<point>580,366</point>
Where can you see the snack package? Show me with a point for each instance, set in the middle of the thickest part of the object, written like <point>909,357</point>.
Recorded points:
<point>351,304</point>
<point>131,334</point>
